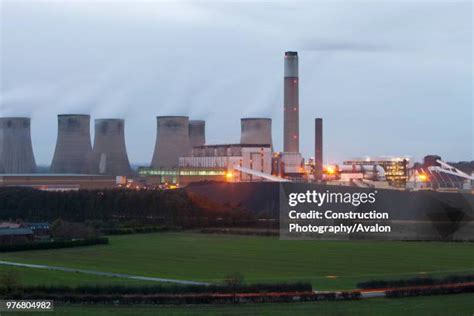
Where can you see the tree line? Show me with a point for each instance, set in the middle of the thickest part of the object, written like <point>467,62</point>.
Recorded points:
<point>150,207</point>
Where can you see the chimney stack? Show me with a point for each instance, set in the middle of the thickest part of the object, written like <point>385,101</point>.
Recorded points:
<point>291,104</point>
<point>318,150</point>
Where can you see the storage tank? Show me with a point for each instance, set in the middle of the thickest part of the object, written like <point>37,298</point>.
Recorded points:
<point>73,153</point>
<point>110,153</point>
<point>172,141</point>
<point>16,150</point>
<point>256,131</point>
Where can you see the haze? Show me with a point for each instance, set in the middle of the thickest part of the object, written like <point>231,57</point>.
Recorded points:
<point>389,78</point>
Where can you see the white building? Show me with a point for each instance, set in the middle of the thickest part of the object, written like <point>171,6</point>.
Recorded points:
<point>252,156</point>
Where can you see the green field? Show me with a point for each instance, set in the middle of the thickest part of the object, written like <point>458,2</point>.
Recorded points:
<point>210,258</point>
<point>458,305</point>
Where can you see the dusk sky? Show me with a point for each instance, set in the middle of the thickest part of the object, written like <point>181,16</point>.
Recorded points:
<point>388,78</point>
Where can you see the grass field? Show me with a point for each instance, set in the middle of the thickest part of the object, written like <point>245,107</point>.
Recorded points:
<point>210,258</point>
<point>458,305</point>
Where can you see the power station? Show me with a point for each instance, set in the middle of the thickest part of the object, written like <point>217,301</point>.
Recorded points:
<point>182,155</point>
<point>110,153</point>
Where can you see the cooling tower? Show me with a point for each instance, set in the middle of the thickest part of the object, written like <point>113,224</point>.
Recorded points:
<point>291,104</point>
<point>110,153</point>
<point>197,133</point>
<point>73,153</point>
<point>318,149</point>
<point>256,131</point>
<point>172,141</point>
<point>16,151</point>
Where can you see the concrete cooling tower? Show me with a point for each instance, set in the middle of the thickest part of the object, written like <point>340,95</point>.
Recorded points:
<point>197,133</point>
<point>256,131</point>
<point>73,153</point>
<point>110,153</point>
<point>172,141</point>
<point>16,151</point>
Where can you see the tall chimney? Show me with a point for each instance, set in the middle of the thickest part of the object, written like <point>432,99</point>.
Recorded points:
<point>73,153</point>
<point>16,151</point>
<point>291,104</point>
<point>318,149</point>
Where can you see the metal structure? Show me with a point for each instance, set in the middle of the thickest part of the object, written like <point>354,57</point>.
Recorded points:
<point>260,174</point>
<point>448,169</point>
<point>172,141</point>
<point>197,133</point>
<point>291,104</point>
<point>318,149</point>
<point>256,131</point>
<point>110,153</point>
<point>16,150</point>
<point>396,168</point>
<point>73,153</point>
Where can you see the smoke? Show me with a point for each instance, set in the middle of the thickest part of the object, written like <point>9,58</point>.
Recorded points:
<point>333,45</point>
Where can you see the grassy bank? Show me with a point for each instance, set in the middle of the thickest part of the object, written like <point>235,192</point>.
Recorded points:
<point>210,258</point>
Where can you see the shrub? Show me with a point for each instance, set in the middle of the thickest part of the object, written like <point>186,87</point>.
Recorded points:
<point>55,244</point>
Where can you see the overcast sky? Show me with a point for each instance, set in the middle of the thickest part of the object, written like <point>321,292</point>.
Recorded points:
<point>389,78</point>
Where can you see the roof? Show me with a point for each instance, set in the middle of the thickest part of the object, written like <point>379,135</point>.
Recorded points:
<point>15,231</point>
<point>233,145</point>
<point>9,225</point>
<point>37,225</point>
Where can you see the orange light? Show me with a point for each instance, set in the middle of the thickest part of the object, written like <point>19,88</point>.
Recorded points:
<point>423,177</point>
<point>229,175</point>
<point>330,170</point>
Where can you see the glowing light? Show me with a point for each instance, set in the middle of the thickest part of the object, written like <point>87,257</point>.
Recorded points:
<point>229,175</point>
<point>423,177</point>
<point>330,170</point>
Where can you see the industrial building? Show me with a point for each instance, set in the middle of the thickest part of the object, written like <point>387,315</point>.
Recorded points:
<point>392,169</point>
<point>181,176</point>
<point>231,157</point>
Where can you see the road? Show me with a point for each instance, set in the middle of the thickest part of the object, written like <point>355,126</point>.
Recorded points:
<point>100,273</point>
